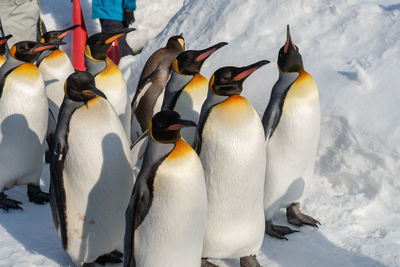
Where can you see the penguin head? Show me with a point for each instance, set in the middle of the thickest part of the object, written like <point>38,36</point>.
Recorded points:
<point>166,125</point>
<point>289,58</point>
<point>97,45</point>
<point>80,87</point>
<point>55,36</point>
<point>29,51</point>
<point>189,62</point>
<point>176,42</point>
<point>228,81</point>
<point>3,42</point>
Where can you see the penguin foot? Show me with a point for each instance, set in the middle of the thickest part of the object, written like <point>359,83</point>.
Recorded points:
<point>36,195</point>
<point>7,203</point>
<point>295,217</point>
<point>277,231</point>
<point>249,261</point>
<point>113,257</point>
<point>88,264</point>
<point>206,263</point>
<point>116,253</point>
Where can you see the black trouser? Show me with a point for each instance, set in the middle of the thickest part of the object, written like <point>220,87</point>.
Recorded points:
<point>108,25</point>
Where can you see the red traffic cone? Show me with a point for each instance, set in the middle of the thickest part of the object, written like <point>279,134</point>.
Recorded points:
<point>79,37</point>
<point>113,52</point>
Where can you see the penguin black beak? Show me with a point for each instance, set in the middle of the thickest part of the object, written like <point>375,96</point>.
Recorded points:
<point>204,54</point>
<point>288,41</point>
<point>93,91</point>
<point>5,39</point>
<point>67,31</point>
<point>244,72</point>
<point>39,47</point>
<point>116,35</point>
<point>179,124</point>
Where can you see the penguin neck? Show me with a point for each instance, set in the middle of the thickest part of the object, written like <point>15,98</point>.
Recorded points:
<point>10,64</point>
<point>156,151</point>
<point>176,83</point>
<point>94,67</point>
<point>286,79</point>
<point>43,55</point>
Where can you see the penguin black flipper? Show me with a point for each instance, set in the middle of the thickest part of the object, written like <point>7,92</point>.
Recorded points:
<point>60,149</point>
<point>142,195</point>
<point>51,130</point>
<point>273,112</point>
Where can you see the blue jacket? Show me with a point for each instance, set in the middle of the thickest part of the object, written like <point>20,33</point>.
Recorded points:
<point>111,9</point>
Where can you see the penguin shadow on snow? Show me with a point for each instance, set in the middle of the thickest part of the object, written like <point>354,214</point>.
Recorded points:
<point>111,149</point>
<point>308,247</point>
<point>33,227</point>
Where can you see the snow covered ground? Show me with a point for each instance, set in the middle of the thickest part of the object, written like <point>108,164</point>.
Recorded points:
<point>351,48</point>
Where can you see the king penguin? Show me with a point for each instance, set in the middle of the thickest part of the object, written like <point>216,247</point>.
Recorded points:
<point>152,81</point>
<point>55,67</point>
<point>108,77</point>
<point>3,44</point>
<point>230,143</point>
<point>292,124</point>
<point>187,89</point>
<point>166,217</point>
<point>91,175</point>
<point>23,120</point>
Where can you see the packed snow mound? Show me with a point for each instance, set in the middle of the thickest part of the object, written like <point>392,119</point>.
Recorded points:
<point>351,50</point>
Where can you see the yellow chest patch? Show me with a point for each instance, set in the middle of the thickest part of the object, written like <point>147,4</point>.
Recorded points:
<point>56,54</point>
<point>198,82</point>
<point>26,72</point>
<point>236,109</point>
<point>181,150</point>
<point>110,78</point>
<point>110,69</point>
<point>304,89</point>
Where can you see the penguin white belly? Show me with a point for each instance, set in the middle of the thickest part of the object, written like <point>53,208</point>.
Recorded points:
<point>233,157</point>
<point>172,232</point>
<point>291,152</point>
<point>55,70</point>
<point>189,104</point>
<point>23,117</point>
<point>98,181</point>
<point>112,83</point>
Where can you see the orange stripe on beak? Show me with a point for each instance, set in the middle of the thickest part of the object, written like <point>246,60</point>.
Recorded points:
<point>205,55</point>
<point>42,48</point>
<point>112,39</point>
<point>244,74</point>
<point>61,36</point>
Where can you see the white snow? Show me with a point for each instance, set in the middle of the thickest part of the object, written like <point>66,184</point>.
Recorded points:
<point>351,48</point>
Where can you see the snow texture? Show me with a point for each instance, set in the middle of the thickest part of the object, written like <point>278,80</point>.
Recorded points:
<point>351,49</point>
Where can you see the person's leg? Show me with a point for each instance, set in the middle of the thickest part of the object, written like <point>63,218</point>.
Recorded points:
<point>115,26</point>
<point>20,20</point>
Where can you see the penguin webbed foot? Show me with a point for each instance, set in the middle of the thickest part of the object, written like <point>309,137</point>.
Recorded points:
<point>295,217</point>
<point>249,261</point>
<point>278,231</point>
<point>206,263</point>
<point>112,257</point>
<point>7,203</point>
<point>36,195</point>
